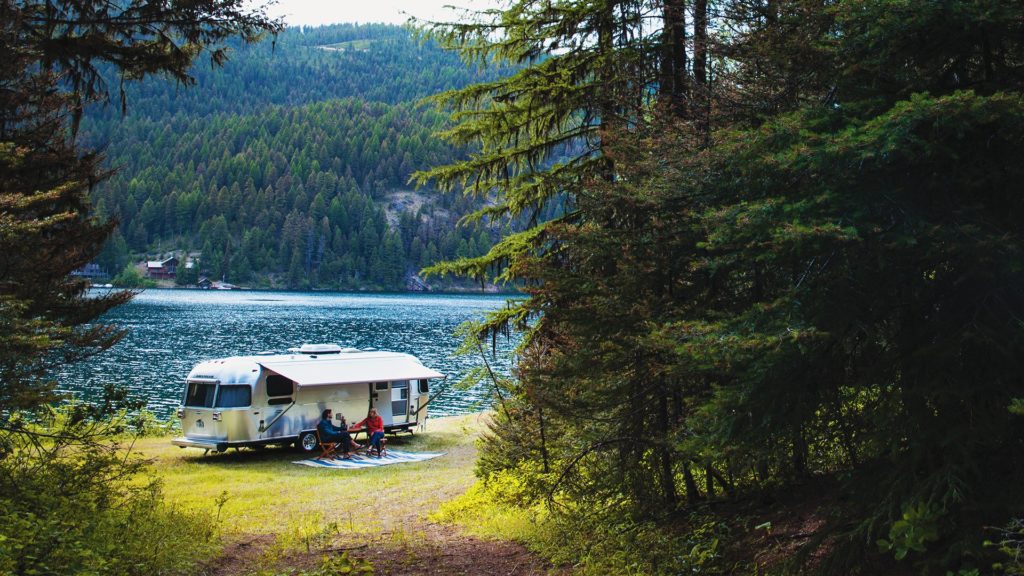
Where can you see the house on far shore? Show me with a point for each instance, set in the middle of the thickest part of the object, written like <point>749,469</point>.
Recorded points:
<point>204,283</point>
<point>165,269</point>
<point>91,271</point>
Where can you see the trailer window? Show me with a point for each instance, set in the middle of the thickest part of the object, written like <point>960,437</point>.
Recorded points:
<point>424,387</point>
<point>200,395</point>
<point>234,396</point>
<point>399,406</point>
<point>278,386</point>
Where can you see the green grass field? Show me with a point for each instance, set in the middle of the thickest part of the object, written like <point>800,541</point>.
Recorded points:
<point>263,492</point>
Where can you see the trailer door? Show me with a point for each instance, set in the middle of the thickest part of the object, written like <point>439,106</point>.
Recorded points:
<point>400,401</point>
<point>381,400</point>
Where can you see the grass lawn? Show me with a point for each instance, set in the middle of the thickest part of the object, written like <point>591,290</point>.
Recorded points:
<point>267,494</point>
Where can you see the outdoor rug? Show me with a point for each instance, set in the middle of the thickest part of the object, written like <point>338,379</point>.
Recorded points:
<point>364,461</point>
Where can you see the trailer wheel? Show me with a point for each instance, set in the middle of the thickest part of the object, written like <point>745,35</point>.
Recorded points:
<point>307,442</point>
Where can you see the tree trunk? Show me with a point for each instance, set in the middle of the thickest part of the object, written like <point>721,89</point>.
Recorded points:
<point>693,494</point>
<point>700,43</point>
<point>799,453</point>
<point>607,101</point>
<point>543,440</point>
<point>702,90</point>
<point>674,86</point>
<point>668,481</point>
<point>762,470</point>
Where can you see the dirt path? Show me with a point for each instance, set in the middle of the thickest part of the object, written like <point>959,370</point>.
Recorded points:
<point>434,549</point>
<point>425,548</point>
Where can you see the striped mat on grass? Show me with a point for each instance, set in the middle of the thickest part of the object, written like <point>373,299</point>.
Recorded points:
<point>364,461</point>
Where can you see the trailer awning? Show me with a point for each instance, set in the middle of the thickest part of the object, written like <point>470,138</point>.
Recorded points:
<point>342,370</point>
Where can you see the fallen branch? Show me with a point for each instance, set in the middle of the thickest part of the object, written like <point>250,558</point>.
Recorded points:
<point>345,548</point>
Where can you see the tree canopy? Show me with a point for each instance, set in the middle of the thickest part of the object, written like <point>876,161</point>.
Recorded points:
<point>50,57</point>
<point>71,501</point>
<point>797,265</point>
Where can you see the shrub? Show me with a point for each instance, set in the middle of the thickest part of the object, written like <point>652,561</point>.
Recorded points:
<point>72,501</point>
<point>918,526</point>
<point>130,277</point>
<point>593,539</point>
<point>1010,544</point>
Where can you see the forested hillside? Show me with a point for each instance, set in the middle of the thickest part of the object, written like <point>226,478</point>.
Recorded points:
<point>289,167</point>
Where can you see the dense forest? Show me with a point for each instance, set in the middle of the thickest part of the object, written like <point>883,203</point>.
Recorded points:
<point>290,166</point>
<point>778,327</point>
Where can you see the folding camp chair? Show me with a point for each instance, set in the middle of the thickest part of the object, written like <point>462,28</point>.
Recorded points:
<point>381,451</point>
<point>368,446</point>
<point>328,449</point>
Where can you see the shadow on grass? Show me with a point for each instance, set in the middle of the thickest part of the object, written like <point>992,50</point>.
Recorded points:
<point>425,442</point>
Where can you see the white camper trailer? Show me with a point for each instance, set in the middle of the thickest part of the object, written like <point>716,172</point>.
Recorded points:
<point>277,399</point>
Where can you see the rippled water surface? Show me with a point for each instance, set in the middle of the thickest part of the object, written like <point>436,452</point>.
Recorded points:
<point>171,330</point>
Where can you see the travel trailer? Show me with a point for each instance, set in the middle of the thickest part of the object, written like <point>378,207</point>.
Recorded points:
<point>277,399</point>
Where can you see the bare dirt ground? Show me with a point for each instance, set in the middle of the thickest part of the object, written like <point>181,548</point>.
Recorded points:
<point>425,548</point>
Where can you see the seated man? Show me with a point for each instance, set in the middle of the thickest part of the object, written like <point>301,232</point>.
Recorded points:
<point>338,434</point>
<point>374,429</point>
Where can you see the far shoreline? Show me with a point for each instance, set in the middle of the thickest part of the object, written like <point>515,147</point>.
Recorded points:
<point>450,292</point>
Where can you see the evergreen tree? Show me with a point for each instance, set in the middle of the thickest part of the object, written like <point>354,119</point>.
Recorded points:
<point>45,177</point>
<point>64,480</point>
<point>591,70</point>
<point>804,266</point>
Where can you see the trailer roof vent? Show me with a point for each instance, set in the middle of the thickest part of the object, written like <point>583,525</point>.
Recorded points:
<point>317,349</point>
<point>350,350</point>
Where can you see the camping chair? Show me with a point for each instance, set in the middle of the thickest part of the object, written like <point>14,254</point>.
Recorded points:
<point>328,449</point>
<point>383,451</point>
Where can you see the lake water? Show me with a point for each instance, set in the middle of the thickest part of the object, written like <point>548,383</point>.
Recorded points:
<point>171,330</point>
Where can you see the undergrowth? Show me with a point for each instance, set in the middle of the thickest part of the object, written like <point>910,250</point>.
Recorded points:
<point>306,536</point>
<point>75,500</point>
<point>592,541</point>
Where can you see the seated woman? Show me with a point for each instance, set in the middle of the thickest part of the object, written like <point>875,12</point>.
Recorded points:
<point>338,434</point>
<point>374,429</point>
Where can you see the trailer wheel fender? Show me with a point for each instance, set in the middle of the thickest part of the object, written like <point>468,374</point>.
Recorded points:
<point>307,442</point>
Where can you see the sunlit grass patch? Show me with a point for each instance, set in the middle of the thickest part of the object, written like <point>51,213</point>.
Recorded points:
<point>262,491</point>
<point>594,542</point>
<point>479,513</point>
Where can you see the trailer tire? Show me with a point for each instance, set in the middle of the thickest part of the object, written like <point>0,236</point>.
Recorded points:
<point>307,442</point>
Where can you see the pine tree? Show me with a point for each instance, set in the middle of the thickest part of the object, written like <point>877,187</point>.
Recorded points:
<point>807,264</point>
<point>591,72</point>
<point>585,68</point>
<point>46,229</point>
